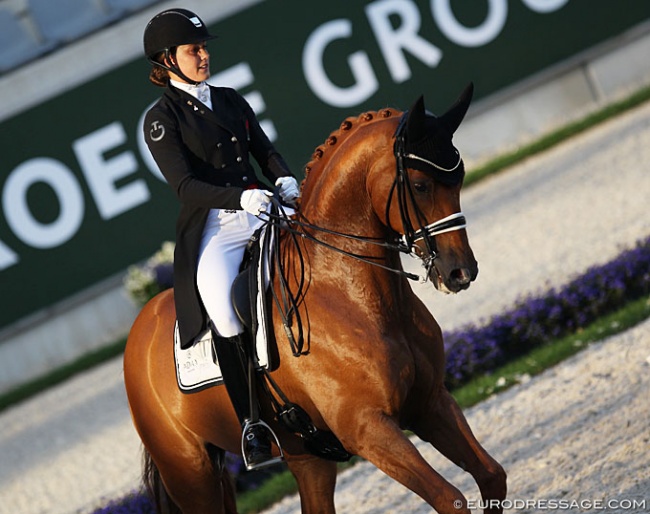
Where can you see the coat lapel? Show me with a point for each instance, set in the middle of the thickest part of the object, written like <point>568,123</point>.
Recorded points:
<point>218,115</point>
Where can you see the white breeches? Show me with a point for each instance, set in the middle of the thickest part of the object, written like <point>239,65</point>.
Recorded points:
<point>225,236</point>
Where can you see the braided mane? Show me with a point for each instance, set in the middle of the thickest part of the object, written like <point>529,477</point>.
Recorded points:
<point>323,153</point>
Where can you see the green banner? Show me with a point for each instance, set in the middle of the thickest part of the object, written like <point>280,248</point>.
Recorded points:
<point>81,198</point>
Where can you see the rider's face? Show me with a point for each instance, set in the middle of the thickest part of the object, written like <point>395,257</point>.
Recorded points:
<point>194,61</point>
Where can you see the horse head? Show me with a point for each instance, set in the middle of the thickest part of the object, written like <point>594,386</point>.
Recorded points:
<point>423,202</point>
<point>413,191</point>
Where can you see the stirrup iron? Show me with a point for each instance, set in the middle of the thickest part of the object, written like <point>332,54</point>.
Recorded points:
<point>248,425</point>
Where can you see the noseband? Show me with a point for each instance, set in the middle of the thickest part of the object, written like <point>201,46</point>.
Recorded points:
<point>402,185</point>
<point>406,243</point>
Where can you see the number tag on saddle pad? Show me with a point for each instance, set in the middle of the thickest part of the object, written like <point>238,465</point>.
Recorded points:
<point>197,367</point>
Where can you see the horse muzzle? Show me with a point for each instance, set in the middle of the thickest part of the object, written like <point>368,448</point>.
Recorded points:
<point>452,267</point>
<point>453,281</point>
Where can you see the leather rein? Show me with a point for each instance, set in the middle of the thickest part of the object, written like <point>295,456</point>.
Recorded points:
<point>406,243</point>
<point>287,300</point>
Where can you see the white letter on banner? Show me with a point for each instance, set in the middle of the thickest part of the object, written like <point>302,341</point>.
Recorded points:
<point>475,36</point>
<point>312,63</point>
<point>102,175</point>
<point>545,6</point>
<point>393,41</point>
<point>65,186</point>
<point>7,257</point>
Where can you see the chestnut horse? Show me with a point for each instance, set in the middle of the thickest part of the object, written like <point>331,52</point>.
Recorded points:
<point>374,360</point>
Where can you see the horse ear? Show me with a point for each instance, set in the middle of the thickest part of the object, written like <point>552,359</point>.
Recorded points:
<point>415,120</point>
<point>457,112</point>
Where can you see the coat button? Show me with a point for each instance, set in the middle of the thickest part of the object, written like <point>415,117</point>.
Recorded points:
<point>239,159</point>
<point>245,179</point>
<point>233,139</point>
<point>223,166</point>
<point>219,145</point>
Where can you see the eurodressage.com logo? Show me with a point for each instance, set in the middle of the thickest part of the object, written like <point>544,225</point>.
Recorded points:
<point>552,504</point>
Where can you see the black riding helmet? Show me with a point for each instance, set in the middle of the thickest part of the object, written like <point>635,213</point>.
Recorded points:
<point>172,28</point>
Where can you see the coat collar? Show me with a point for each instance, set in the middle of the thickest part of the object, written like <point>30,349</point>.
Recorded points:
<point>215,115</point>
<point>199,91</point>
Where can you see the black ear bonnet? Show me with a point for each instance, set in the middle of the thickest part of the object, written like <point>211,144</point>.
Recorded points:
<point>425,141</point>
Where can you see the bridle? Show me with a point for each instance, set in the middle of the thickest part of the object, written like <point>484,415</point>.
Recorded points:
<point>406,243</point>
<point>287,300</point>
<point>403,188</point>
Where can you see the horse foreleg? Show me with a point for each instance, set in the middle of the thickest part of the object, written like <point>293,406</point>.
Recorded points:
<point>383,443</point>
<point>316,480</point>
<point>446,428</point>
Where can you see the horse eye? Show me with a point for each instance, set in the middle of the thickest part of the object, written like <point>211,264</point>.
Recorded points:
<point>420,187</point>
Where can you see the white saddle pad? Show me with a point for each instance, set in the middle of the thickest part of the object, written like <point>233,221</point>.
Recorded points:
<point>197,367</point>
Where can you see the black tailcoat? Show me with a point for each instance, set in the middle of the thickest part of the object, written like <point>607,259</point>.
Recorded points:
<point>204,156</point>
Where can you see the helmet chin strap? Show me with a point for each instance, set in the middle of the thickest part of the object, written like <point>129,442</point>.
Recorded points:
<point>174,69</point>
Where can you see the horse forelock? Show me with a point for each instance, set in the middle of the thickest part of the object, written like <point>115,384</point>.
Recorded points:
<point>350,126</point>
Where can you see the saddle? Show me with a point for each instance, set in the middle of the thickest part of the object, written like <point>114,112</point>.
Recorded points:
<point>250,306</point>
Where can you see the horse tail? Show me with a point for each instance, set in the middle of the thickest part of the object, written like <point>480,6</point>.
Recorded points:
<point>154,487</point>
<point>218,458</point>
<point>163,503</point>
<point>229,494</point>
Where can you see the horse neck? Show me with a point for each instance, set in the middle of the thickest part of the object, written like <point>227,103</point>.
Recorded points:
<point>334,193</point>
<point>335,197</point>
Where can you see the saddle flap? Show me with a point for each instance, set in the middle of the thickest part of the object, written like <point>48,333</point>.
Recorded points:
<point>240,295</point>
<point>246,287</point>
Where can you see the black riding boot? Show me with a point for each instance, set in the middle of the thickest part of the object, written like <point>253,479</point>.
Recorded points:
<point>233,362</point>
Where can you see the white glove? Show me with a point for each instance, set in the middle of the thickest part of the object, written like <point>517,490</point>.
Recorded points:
<point>255,201</point>
<point>289,189</point>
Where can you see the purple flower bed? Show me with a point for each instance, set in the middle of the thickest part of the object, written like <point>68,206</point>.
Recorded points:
<point>135,503</point>
<point>538,319</point>
<point>164,275</point>
<point>535,320</point>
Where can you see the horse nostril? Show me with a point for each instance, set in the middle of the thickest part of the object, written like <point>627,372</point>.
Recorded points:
<point>461,276</point>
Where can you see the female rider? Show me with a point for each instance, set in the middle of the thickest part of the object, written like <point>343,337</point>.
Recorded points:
<point>201,137</point>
